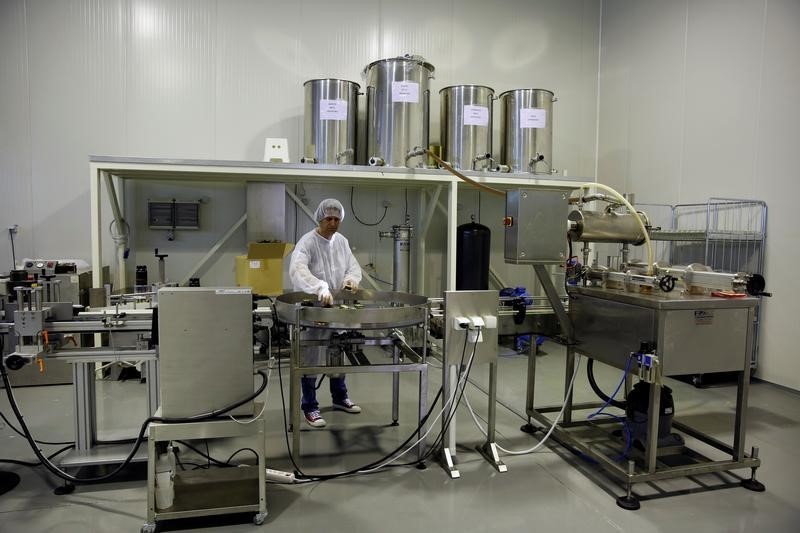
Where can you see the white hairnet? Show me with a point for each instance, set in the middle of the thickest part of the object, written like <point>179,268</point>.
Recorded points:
<point>329,207</point>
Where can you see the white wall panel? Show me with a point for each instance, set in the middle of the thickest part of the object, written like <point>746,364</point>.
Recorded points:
<point>170,71</point>
<point>15,143</point>
<point>723,63</point>
<point>777,183</point>
<point>76,108</point>
<point>258,81</point>
<point>697,99</point>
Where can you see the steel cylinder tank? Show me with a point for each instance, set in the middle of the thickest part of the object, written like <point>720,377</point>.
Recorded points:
<point>398,110</point>
<point>473,245</point>
<point>605,226</point>
<point>331,115</point>
<point>526,130</point>
<point>466,122</point>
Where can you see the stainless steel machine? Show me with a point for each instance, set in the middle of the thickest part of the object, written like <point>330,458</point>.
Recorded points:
<point>357,319</point>
<point>651,322</point>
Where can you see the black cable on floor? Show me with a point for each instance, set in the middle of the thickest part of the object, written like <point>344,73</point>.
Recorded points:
<point>140,438</point>
<point>324,477</point>
<point>21,434</point>
<point>32,464</point>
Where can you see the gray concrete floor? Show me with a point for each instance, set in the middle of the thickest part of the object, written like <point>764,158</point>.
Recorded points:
<point>550,490</point>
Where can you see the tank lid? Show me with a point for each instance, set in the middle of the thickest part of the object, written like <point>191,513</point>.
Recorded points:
<point>518,90</point>
<point>467,85</point>
<point>331,79</point>
<point>407,57</point>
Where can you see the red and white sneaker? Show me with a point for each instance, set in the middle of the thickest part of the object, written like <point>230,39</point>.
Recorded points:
<point>314,419</point>
<point>347,406</point>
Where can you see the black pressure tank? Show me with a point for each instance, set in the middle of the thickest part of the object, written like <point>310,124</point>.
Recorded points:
<point>472,256</point>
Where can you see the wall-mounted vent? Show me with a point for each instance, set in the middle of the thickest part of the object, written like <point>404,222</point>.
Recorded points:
<point>173,214</point>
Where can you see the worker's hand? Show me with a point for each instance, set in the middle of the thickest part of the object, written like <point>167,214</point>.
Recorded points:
<point>350,285</point>
<point>325,297</point>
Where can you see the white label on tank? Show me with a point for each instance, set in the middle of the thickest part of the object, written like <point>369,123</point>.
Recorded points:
<point>532,117</point>
<point>233,291</point>
<point>476,115</point>
<point>405,91</point>
<point>333,109</point>
<point>255,264</point>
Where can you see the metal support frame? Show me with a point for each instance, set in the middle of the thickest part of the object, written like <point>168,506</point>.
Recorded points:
<point>216,483</point>
<point>87,451</point>
<point>425,223</point>
<point>298,369</point>
<point>489,449</point>
<point>650,469</point>
<point>213,250</point>
<point>555,301</point>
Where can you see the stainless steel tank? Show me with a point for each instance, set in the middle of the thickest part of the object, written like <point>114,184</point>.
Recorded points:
<point>605,226</point>
<point>466,122</point>
<point>398,110</point>
<point>526,130</point>
<point>331,115</point>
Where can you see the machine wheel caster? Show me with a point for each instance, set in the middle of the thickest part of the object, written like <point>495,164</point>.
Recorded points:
<point>530,429</point>
<point>629,503</point>
<point>66,488</point>
<point>754,485</point>
<point>422,466</point>
<point>148,528</point>
<point>259,518</point>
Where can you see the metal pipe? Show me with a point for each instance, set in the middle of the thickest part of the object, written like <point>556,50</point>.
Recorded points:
<point>501,168</point>
<point>343,153</point>
<point>377,161</point>
<point>414,152</point>
<point>306,159</point>
<point>482,157</point>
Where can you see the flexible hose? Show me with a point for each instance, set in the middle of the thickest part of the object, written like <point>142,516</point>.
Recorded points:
<point>603,396</point>
<point>459,175</point>
<point>549,431</point>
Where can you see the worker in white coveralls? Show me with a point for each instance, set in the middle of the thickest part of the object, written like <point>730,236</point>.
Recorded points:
<point>322,262</point>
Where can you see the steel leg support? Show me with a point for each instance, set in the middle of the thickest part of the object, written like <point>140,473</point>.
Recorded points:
<point>449,384</point>
<point>489,448</point>
<point>752,483</point>
<point>395,387</point>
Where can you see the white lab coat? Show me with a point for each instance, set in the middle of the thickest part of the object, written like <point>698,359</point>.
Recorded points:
<point>318,264</point>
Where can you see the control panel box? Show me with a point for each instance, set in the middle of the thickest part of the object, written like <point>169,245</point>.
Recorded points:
<point>470,324</point>
<point>536,226</point>
<point>205,352</point>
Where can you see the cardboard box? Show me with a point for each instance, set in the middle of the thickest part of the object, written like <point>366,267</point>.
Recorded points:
<point>262,267</point>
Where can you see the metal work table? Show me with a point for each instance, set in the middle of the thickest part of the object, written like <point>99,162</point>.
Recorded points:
<point>83,361</point>
<point>361,310</point>
<point>104,168</point>
<point>214,491</point>
<point>692,333</point>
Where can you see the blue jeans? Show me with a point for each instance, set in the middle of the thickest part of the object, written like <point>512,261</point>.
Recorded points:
<point>309,400</point>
